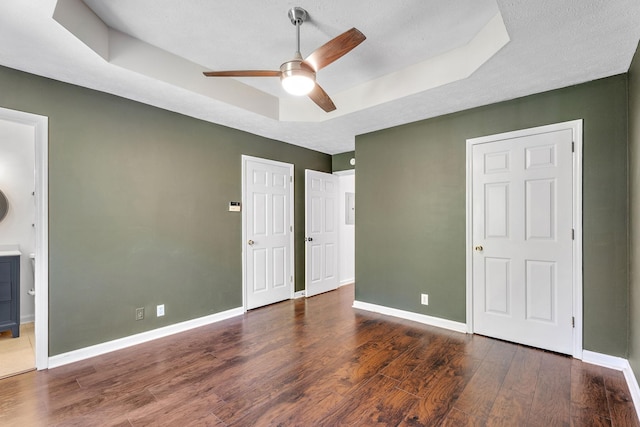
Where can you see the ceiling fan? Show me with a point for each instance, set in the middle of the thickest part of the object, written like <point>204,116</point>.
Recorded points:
<point>298,76</point>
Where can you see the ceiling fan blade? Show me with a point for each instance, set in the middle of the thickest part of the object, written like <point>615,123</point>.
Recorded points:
<point>243,73</point>
<point>320,97</point>
<point>335,49</point>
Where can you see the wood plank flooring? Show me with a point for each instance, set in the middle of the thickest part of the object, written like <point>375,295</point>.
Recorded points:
<point>319,362</point>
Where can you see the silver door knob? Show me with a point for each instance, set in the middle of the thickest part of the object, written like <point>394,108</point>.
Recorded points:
<point>251,242</point>
<point>308,239</point>
<point>479,248</point>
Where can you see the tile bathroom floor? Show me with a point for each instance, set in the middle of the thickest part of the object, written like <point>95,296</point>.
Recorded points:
<point>17,355</point>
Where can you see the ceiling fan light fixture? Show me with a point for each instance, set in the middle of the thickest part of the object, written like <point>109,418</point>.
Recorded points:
<point>298,85</point>
<point>297,78</point>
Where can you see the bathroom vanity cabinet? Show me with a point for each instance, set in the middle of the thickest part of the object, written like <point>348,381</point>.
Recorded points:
<point>10,294</point>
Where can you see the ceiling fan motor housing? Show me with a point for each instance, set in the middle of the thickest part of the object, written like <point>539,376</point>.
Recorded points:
<point>297,15</point>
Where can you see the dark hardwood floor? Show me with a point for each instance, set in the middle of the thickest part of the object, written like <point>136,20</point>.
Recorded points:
<point>320,362</point>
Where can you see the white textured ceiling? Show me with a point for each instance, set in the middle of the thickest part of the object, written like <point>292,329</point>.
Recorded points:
<point>549,44</point>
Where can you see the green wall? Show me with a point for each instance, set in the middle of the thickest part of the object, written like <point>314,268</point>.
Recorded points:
<point>634,197</point>
<point>138,200</point>
<point>340,162</point>
<point>138,208</point>
<point>410,228</point>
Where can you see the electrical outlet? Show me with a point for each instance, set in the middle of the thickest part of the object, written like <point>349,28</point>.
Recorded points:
<point>424,299</point>
<point>140,313</point>
<point>160,310</point>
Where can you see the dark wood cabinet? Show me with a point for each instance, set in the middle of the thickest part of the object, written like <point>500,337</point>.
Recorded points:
<point>10,294</point>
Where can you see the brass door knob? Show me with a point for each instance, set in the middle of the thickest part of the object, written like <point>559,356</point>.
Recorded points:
<point>479,248</point>
<point>251,242</point>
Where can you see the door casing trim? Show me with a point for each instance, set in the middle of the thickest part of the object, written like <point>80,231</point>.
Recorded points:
<point>576,127</point>
<point>40,125</point>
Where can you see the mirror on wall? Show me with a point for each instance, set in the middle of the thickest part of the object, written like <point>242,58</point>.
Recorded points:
<point>4,205</point>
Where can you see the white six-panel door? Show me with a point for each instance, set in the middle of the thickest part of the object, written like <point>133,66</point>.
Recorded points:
<point>522,234</point>
<point>268,231</point>
<point>321,232</point>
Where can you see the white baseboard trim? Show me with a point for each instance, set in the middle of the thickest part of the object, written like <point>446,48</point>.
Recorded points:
<point>634,389</point>
<point>416,317</point>
<point>29,318</point>
<point>120,343</point>
<point>604,360</point>
<point>300,294</point>
<point>345,282</point>
<point>619,364</point>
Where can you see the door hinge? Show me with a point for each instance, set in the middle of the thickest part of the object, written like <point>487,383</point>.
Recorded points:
<point>573,234</point>
<point>290,179</point>
<point>291,228</point>
<point>291,279</point>
<point>573,147</point>
<point>573,322</point>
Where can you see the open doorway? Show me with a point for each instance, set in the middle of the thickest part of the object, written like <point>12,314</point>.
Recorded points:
<point>17,243</point>
<point>346,228</point>
<point>23,243</point>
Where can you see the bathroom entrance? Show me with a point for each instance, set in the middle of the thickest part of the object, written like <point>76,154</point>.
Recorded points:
<point>23,243</point>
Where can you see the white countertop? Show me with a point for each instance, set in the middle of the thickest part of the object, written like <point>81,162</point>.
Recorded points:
<point>10,253</point>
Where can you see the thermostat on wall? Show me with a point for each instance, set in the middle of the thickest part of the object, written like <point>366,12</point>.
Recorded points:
<point>234,206</point>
